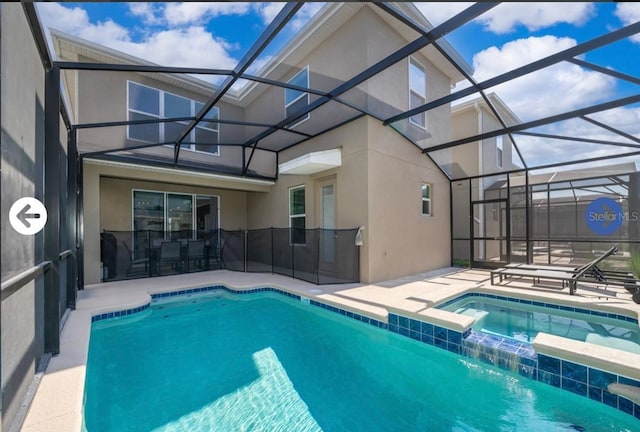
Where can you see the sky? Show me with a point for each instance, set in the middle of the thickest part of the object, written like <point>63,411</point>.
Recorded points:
<point>508,36</point>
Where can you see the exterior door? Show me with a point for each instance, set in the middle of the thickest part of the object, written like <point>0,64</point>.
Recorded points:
<point>328,223</point>
<point>490,233</point>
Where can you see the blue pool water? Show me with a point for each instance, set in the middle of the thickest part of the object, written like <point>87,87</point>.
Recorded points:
<point>524,321</point>
<point>264,362</point>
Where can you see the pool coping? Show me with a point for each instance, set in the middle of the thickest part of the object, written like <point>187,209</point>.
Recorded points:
<point>58,403</point>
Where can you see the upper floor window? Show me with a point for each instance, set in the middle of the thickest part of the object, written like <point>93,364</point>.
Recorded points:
<point>146,103</point>
<point>417,90</point>
<point>296,100</point>
<point>499,151</point>
<point>426,199</point>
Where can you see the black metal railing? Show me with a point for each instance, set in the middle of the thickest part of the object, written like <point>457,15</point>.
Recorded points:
<point>319,256</point>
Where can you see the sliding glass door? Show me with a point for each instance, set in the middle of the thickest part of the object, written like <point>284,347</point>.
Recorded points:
<point>148,211</point>
<point>171,212</point>
<point>179,212</point>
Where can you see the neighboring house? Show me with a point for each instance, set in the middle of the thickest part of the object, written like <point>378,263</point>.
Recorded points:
<point>490,156</point>
<point>361,174</point>
<point>480,158</point>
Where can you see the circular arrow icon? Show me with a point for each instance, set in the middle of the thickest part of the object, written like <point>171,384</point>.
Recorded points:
<point>604,216</point>
<point>28,216</point>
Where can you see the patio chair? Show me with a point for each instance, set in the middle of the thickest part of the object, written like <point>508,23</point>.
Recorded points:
<point>568,276</point>
<point>593,272</point>
<point>195,254</point>
<point>136,266</point>
<point>170,253</point>
<point>216,254</point>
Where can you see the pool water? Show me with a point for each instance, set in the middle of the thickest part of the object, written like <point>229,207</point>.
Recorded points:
<point>264,362</point>
<point>523,322</point>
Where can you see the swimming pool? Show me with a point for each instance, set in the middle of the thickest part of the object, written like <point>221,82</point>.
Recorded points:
<point>265,362</point>
<point>524,319</point>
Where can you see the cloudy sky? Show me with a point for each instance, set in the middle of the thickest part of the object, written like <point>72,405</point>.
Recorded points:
<point>508,36</point>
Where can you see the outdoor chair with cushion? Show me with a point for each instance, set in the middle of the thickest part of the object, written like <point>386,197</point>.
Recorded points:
<point>137,266</point>
<point>170,254</point>
<point>195,254</point>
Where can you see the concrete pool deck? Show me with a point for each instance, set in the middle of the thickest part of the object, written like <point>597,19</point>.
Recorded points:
<point>58,401</point>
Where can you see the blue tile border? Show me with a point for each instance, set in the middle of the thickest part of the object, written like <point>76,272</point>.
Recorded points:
<point>541,304</point>
<point>210,288</point>
<point>505,353</point>
<point>119,313</point>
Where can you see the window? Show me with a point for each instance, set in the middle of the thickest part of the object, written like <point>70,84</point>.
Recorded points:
<point>499,151</point>
<point>297,216</point>
<point>426,199</point>
<point>146,103</point>
<point>148,211</point>
<point>207,132</point>
<point>163,211</point>
<point>417,91</point>
<point>179,212</point>
<point>295,100</point>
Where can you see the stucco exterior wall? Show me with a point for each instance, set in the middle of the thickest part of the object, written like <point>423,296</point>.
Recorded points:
<point>381,171</point>
<point>402,240</point>
<point>22,148</point>
<point>378,186</point>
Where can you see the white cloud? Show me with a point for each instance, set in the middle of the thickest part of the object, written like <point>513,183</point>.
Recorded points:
<point>268,10</point>
<point>437,13</point>
<point>554,90</point>
<point>535,15</point>
<point>175,47</point>
<point>629,13</point>
<point>559,88</point>
<point>195,13</point>
<point>75,20</point>
<point>507,16</point>
<point>305,13</point>
<point>148,12</point>
<point>540,151</point>
<point>180,47</point>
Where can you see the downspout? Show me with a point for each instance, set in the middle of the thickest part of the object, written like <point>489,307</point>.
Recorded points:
<point>480,217</point>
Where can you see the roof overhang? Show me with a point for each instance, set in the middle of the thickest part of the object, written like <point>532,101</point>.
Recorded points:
<point>312,163</point>
<point>135,171</point>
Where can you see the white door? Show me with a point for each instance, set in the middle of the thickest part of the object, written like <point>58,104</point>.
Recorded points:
<point>328,223</point>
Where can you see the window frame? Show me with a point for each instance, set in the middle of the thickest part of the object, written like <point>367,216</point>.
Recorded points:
<point>297,215</point>
<point>424,199</point>
<point>423,68</point>
<point>287,105</point>
<point>217,131</point>
<point>499,151</point>
<point>191,146</point>
<point>157,116</point>
<point>165,195</point>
